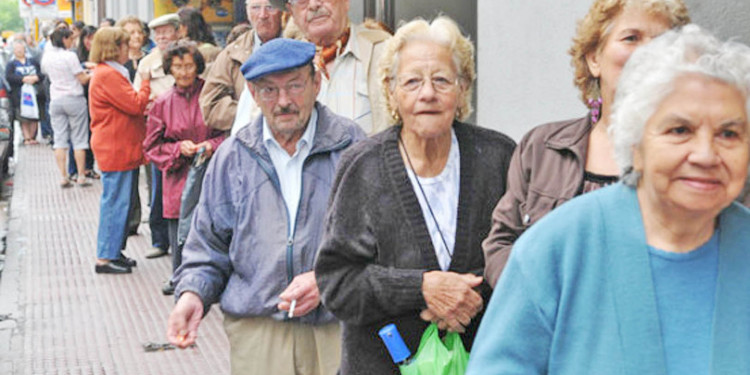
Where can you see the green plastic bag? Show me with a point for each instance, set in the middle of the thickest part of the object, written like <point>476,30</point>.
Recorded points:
<point>438,357</point>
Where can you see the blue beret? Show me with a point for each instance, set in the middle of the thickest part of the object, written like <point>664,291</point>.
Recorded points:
<point>277,55</point>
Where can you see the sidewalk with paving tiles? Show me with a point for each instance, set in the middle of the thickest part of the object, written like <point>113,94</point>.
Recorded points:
<point>61,317</point>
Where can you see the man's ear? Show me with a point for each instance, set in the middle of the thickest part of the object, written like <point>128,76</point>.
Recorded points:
<point>251,88</point>
<point>316,81</point>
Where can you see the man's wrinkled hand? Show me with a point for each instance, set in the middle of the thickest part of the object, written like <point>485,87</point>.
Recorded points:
<point>182,326</point>
<point>304,290</point>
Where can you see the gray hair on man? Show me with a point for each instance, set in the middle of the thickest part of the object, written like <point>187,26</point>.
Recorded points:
<point>649,77</point>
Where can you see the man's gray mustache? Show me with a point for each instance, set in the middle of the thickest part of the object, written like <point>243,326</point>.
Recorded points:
<point>319,12</point>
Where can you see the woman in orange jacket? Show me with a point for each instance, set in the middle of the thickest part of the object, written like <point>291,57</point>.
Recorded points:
<point>118,129</point>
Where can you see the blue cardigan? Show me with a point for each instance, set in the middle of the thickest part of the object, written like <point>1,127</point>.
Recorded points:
<point>577,295</point>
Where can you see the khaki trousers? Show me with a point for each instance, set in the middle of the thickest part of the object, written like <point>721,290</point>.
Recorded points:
<point>266,346</point>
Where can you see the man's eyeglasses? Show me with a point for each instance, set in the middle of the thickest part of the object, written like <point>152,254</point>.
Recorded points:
<point>271,93</point>
<point>302,3</point>
<point>440,83</point>
<point>259,8</point>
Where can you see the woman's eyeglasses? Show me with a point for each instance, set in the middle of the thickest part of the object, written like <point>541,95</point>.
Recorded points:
<point>414,83</point>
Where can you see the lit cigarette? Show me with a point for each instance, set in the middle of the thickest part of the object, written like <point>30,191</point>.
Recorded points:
<point>291,308</point>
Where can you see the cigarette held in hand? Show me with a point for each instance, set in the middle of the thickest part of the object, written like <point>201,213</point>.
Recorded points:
<point>291,308</point>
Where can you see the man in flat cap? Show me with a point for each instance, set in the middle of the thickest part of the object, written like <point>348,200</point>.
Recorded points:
<point>164,29</point>
<point>257,227</point>
<point>224,81</point>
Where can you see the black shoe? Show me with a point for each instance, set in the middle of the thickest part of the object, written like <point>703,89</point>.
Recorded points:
<point>92,174</point>
<point>156,253</point>
<point>168,288</point>
<point>112,267</point>
<point>125,261</point>
<point>132,232</point>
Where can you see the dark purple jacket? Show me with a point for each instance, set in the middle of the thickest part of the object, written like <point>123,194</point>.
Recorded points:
<point>175,117</point>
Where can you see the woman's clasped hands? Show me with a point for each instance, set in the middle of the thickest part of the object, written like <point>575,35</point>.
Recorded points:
<point>451,299</point>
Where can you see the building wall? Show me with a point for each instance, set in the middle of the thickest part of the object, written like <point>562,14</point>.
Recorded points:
<point>525,77</point>
<point>143,9</point>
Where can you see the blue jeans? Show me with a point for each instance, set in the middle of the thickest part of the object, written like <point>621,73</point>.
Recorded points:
<point>113,213</point>
<point>159,228</point>
<point>44,122</point>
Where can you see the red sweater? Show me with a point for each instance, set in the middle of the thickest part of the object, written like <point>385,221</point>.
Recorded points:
<point>118,125</point>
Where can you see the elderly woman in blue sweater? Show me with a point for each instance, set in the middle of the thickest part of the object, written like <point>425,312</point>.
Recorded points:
<point>648,276</point>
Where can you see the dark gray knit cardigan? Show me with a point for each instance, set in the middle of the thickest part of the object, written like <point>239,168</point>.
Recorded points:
<point>376,244</point>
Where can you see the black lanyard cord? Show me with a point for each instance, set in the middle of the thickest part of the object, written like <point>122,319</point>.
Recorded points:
<point>429,207</point>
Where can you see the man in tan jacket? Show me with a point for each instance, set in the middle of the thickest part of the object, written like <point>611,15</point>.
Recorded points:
<point>164,30</point>
<point>347,57</point>
<point>224,81</point>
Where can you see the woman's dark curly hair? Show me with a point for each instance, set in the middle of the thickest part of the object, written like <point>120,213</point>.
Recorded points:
<point>179,49</point>
<point>197,29</point>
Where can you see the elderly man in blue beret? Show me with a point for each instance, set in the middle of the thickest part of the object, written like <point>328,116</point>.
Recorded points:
<point>256,229</point>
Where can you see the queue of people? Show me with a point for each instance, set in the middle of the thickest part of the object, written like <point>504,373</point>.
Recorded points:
<point>352,194</point>
<point>409,207</point>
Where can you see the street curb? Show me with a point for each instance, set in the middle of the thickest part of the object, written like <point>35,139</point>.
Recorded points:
<point>9,292</point>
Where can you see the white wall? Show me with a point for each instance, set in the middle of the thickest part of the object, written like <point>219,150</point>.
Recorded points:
<point>727,18</point>
<point>117,9</point>
<point>524,73</point>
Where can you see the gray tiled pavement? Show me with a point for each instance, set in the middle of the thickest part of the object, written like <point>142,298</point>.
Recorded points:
<point>65,319</point>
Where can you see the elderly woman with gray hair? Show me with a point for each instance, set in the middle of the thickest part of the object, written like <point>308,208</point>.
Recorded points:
<point>648,276</point>
<point>411,204</point>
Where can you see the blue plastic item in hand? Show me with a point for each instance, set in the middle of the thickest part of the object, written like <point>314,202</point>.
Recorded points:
<point>395,344</point>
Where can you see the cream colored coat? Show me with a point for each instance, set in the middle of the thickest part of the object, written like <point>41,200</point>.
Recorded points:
<point>160,81</point>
